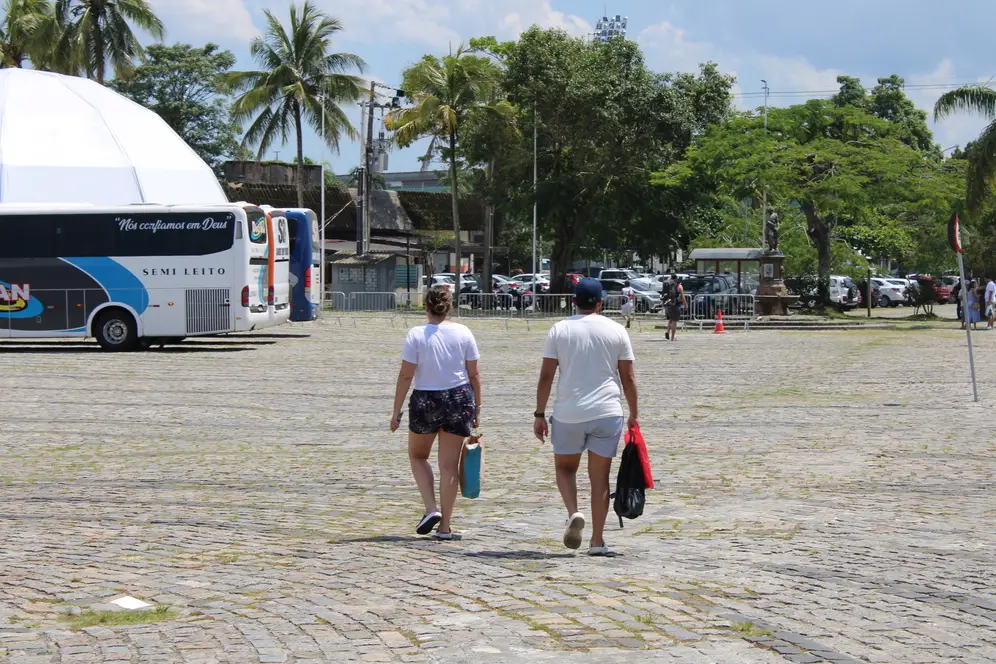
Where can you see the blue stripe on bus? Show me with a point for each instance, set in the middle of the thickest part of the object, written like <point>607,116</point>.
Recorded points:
<point>33,307</point>
<point>119,282</point>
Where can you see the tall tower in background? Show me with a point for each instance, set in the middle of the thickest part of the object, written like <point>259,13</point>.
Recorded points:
<point>608,27</point>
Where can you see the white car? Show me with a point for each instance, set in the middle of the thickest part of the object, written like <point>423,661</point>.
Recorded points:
<point>907,285</point>
<point>888,292</point>
<point>467,283</point>
<point>619,275</point>
<point>843,291</point>
<point>438,280</point>
<point>526,281</point>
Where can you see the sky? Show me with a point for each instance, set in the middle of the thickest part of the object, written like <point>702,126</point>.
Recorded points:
<point>798,47</point>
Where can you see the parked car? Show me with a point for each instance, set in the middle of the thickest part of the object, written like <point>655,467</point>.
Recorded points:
<point>708,293</point>
<point>646,300</point>
<point>943,287</point>
<point>467,282</point>
<point>618,275</point>
<point>843,292</point>
<point>438,280</point>
<point>526,281</point>
<point>907,285</point>
<point>887,293</point>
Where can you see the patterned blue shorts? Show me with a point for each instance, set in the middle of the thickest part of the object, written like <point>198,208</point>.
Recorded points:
<point>451,411</point>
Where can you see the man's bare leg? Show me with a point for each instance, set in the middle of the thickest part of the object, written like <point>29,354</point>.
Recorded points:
<point>598,474</point>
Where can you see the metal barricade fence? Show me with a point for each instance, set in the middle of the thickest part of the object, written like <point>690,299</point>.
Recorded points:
<point>486,305</point>
<point>547,306</point>
<point>373,302</point>
<point>410,302</point>
<point>336,301</point>
<point>735,307</point>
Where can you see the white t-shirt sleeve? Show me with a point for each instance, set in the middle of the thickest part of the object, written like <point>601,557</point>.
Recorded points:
<point>626,348</point>
<point>550,348</point>
<point>409,353</point>
<point>470,350</point>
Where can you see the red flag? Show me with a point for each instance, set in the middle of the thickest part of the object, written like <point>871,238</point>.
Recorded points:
<point>635,437</point>
<point>954,234</point>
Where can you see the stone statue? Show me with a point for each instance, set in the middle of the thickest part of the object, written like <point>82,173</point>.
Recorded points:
<point>771,231</point>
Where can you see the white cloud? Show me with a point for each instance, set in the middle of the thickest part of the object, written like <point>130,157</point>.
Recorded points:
<point>956,129</point>
<point>669,50</point>
<point>211,18</point>
<point>793,80</point>
<point>441,23</point>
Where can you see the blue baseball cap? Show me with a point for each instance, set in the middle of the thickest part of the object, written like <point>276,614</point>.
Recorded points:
<point>588,293</point>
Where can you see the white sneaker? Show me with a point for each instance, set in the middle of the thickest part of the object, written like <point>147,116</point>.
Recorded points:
<point>599,550</point>
<point>575,528</point>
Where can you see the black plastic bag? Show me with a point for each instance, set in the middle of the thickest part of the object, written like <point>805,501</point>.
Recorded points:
<point>630,496</point>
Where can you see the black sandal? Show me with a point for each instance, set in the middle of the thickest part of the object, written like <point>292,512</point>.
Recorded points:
<point>428,522</point>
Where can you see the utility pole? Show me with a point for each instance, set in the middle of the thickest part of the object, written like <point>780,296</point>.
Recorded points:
<point>321,239</point>
<point>368,166</point>
<point>764,190</point>
<point>489,231</point>
<point>746,221</point>
<point>535,192</point>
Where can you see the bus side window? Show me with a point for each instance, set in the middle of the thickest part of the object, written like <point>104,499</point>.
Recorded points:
<point>84,235</point>
<point>31,236</point>
<point>292,224</point>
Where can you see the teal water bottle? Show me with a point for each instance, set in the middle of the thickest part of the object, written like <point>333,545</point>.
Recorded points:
<point>473,456</point>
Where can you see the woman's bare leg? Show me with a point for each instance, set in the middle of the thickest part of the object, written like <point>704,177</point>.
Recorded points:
<point>419,448</point>
<point>449,450</point>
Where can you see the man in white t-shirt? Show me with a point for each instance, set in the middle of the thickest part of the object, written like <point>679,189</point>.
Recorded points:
<point>990,302</point>
<point>595,359</point>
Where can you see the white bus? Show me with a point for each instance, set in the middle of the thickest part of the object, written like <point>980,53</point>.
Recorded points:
<point>279,300</point>
<point>129,276</point>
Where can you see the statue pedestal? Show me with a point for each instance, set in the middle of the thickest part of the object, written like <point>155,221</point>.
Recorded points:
<point>772,297</point>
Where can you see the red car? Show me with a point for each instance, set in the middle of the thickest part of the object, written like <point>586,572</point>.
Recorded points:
<point>573,278</point>
<point>944,286</point>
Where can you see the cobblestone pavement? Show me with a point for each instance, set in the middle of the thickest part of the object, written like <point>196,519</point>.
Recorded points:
<point>823,497</point>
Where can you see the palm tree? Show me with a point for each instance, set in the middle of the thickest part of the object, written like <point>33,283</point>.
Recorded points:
<point>299,80</point>
<point>982,154</point>
<point>22,31</point>
<point>98,33</point>
<point>444,92</point>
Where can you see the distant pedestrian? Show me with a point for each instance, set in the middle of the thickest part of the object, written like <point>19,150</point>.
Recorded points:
<point>595,359</point>
<point>629,304</point>
<point>441,357</point>
<point>674,301</point>
<point>990,302</point>
<point>956,295</point>
<point>972,305</point>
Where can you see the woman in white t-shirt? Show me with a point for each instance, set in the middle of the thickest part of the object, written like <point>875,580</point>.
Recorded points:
<point>441,358</point>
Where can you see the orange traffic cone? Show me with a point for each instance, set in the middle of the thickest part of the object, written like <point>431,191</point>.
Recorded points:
<point>720,328</point>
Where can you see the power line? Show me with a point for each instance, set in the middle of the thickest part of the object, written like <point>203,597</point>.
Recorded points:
<point>798,93</point>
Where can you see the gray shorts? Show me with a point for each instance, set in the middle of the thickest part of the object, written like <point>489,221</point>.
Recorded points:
<point>600,437</point>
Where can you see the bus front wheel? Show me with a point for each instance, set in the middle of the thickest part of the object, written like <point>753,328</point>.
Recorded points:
<point>116,330</point>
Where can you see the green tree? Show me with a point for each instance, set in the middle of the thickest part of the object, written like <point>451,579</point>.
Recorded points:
<point>605,123</point>
<point>182,84</point>
<point>849,175</point>
<point>889,102</point>
<point>445,92</point>
<point>852,93</point>
<point>979,99</point>
<point>299,80</point>
<point>99,32</point>
<point>23,31</point>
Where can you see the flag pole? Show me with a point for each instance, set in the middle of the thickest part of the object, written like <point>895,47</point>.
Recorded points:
<point>954,239</point>
<point>968,328</point>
